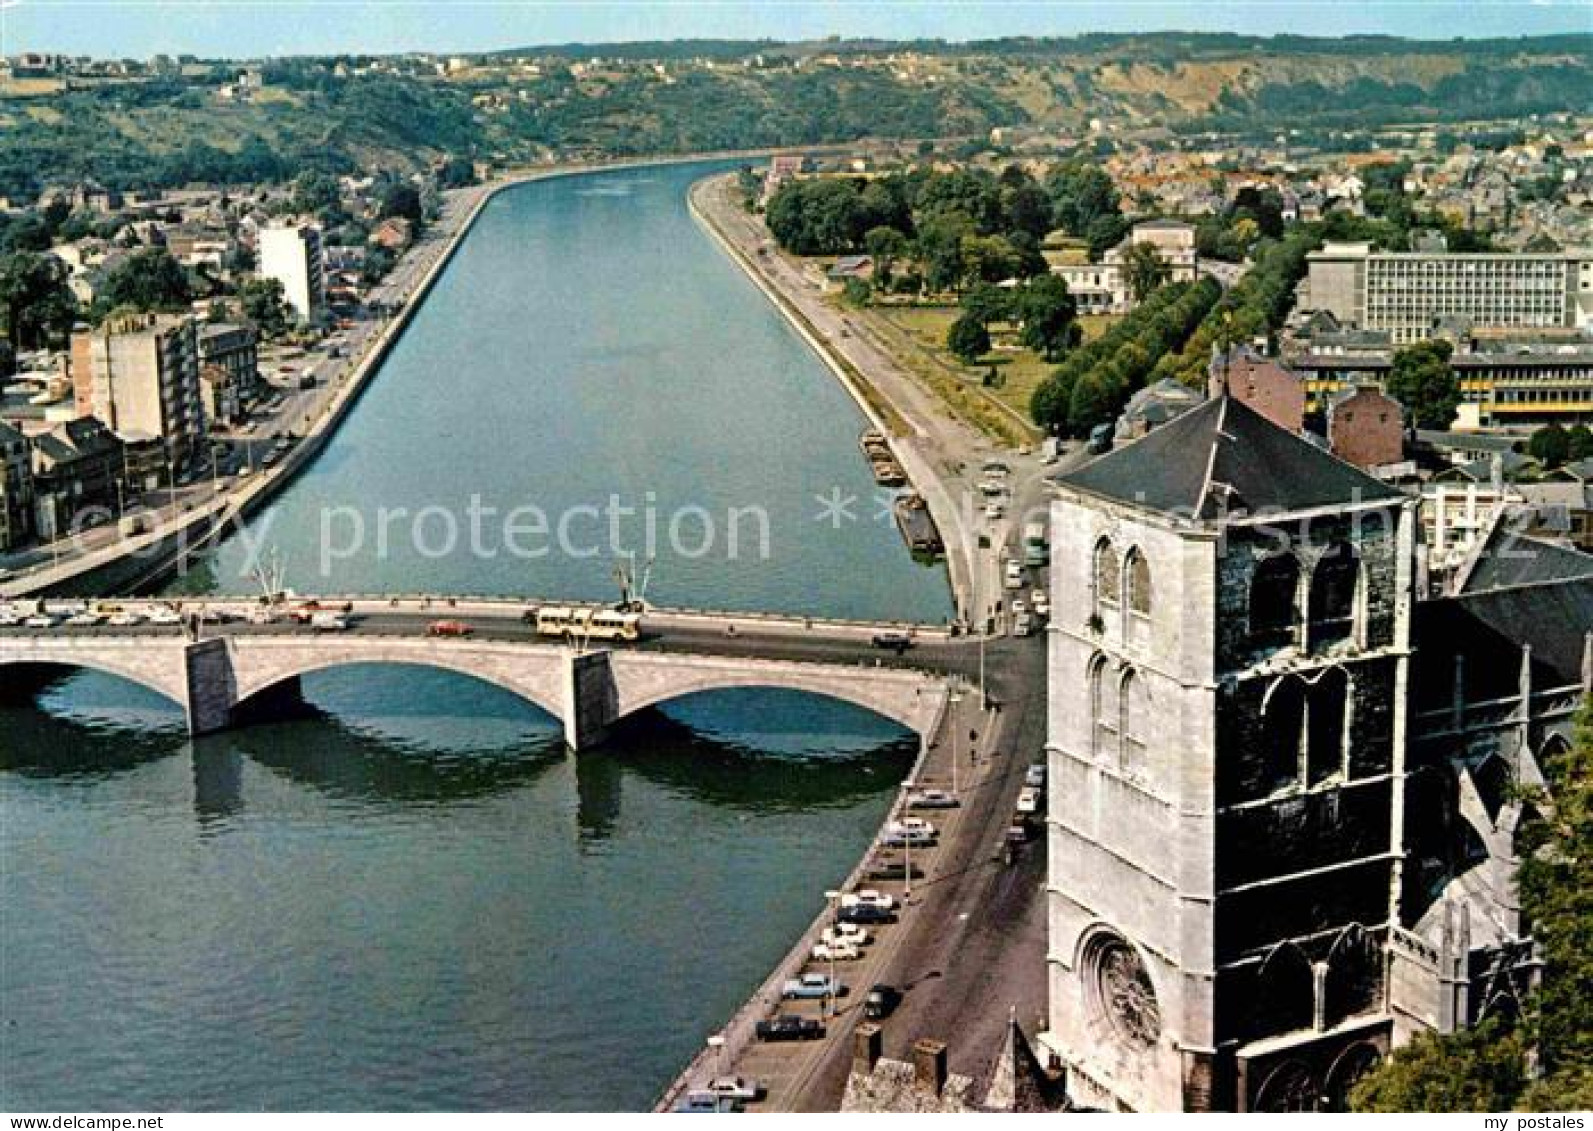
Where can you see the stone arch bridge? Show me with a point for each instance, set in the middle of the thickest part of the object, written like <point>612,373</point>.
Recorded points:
<point>587,691</point>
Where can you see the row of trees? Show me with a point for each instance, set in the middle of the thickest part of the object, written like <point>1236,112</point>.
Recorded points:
<point>1254,307</point>
<point>1092,385</point>
<point>1485,1069</point>
<point>960,227</point>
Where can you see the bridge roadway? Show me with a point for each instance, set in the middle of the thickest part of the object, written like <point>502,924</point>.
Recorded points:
<point>588,689</point>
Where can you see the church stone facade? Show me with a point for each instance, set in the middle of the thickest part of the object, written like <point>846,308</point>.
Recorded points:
<point>1231,660</point>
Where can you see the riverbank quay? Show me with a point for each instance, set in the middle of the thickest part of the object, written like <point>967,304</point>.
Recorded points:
<point>942,456</point>
<point>193,518</point>
<point>967,951</point>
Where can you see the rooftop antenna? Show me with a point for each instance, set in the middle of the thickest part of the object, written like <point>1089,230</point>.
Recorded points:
<point>269,576</point>
<point>633,591</point>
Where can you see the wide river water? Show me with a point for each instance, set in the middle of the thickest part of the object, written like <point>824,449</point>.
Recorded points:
<point>409,896</point>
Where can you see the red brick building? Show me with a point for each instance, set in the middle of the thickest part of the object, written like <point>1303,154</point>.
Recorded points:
<point>1366,427</point>
<point>1273,391</point>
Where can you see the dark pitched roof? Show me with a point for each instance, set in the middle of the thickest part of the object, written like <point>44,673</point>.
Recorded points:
<point>1507,558</point>
<point>1553,617</point>
<point>1226,459</point>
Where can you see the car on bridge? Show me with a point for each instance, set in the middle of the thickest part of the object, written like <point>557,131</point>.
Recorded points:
<point>881,1002</point>
<point>789,1027</point>
<point>812,987</point>
<point>897,642</point>
<point>932,799</point>
<point>455,628</point>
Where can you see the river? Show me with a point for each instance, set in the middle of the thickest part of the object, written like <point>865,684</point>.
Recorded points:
<point>408,896</point>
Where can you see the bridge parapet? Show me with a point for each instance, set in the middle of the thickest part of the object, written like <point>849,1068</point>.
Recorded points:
<point>587,692</point>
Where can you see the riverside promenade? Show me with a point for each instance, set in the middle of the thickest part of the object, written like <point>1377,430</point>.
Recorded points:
<point>941,455</point>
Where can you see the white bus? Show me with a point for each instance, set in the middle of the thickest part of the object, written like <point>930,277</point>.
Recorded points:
<point>594,624</point>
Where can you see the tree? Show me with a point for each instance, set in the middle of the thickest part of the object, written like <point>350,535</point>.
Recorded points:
<point>264,304</point>
<point>1556,885</point>
<point>886,245</point>
<point>988,304</point>
<point>1049,315</point>
<point>967,339</point>
<point>1481,1069</point>
<point>1550,445</point>
<point>315,192</point>
<point>1145,270</point>
<point>857,292</point>
<point>35,301</point>
<point>1424,382</point>
<point>1081,194</point>
<point>149,280</point>
<point>1105,233</point>
<point>402,199</point>
<point>1580,446</point>
<point>456,172</point>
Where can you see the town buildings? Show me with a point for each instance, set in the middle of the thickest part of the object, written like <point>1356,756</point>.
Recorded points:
<point>139,375</point>
<point>1282,827</point>
<point>16,489</point>
<point>1103,288</point>
<point>291,254</point>
<point>229,370</point>
<point>1409,293</point>
<point>77,465</point>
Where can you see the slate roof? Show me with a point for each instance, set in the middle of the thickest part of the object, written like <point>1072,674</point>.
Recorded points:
<point>1553,617</point>
<point>1508,559</point>
<point>1224,459</point>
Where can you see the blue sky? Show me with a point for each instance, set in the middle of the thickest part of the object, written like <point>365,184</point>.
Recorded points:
<point>236,28</point>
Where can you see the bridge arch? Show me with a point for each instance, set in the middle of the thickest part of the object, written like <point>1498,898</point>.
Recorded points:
<point>910,699</point>
<point>169,685</point>
<point>260,682</point>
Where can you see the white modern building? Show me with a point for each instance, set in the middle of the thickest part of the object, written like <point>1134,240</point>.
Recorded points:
<point>1408,293</point>
<point>291,254</point>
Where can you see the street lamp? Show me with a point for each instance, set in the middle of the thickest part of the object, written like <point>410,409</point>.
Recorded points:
<point>954,698</point>
<point>907,849</point>
<point>831,897</point>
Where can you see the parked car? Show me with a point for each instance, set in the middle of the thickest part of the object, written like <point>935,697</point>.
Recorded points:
<point>1029,800</point>
<point>789,1027</point>
<point>164,615</point>
<point>737,1088</point>
<point>40,620</point>
<point>812,987</point>
<point>900,838</point>
<point>704,1102</point>
<point>837,950</point>
<point>1034,776</point>
<point>865,913</point>
<point>1014,575</point>
<point>881,1002</point>
<point>328,622</point>
<point>893,868</point>
<point>1100,439</point>
<point>870,897</point>
<point>448,628</point>
<point>932,799</point>
<point>84,620</point>
<point>994,510</point>
<point>1022,625</point>
<point>845,932</point>
<point>1019,607</point>
<point>1041,602</point>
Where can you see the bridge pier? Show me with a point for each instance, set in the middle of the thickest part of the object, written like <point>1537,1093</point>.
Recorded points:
<point>212,686</point>
<point>591,699</point>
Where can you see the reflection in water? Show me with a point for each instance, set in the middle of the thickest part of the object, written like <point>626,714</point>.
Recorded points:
<point>411,897</point>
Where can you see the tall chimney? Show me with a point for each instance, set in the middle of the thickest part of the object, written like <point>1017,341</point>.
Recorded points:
<point>929,1064</point>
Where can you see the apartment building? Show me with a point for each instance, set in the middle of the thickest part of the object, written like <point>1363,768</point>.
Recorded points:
<point>291,254</point>
<point>1408,293</point>
<point>139,374</point>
